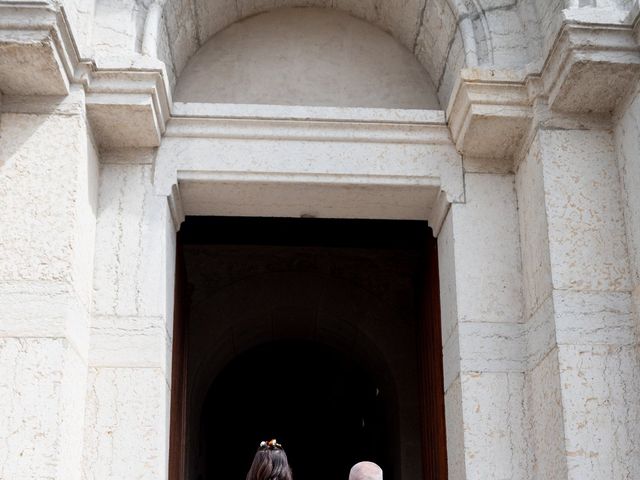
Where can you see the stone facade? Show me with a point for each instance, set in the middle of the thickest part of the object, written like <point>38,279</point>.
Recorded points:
<point>523,157</point>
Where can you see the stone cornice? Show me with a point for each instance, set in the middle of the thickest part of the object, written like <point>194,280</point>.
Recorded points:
<point>39,56</point>
<point>127,106</point>
<point>272,122</point>
<point>409,152</point>
<point>589,70</point>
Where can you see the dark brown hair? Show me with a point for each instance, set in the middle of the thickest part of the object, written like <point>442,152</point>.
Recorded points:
<point>270,464</point>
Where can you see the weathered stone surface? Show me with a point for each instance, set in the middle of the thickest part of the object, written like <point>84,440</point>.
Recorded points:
<point>52,151</point>
<point>129,278</point>
<point>536,262</point>
<point>587,239</point>
<point>627,140</point>
<point>495,432</point>
<point>545,419</point>
<point>601,384</point>
<point>126,424</point>
<point>42,390</point>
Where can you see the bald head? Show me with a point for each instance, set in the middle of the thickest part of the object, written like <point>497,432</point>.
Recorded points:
<point>365,471</point>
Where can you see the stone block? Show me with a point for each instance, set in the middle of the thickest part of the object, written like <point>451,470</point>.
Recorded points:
<point>448,279</point>
<point>131,271</point>
<point>534,236</point>
<point>455,431</point>
<point>494,425</point>
<point>130,342</point>
<point>492,347</point>
<point>541,333</point>
<point>487,251</point>
<point>591,318</point>
<point>545,423</point>
<point>600,391</point>
<point>126,428</point>
<point>627,140</point>
<point>128,121</point>
<point>587,240</point>
<point>31,65</point>
<point>45,157</point>
<point>42,391</point>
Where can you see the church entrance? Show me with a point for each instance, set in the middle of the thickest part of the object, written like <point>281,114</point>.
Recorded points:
<point>320,333</point>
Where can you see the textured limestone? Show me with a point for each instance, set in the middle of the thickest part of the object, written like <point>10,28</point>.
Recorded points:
<point>48,171</point>
<point>483,337</point>
<point>587,238</point>
<point>126,418</point>
<point>42,390</point>
<point>582,330</point>
<point>495,433</point>
<point>455,431</point>
<point>601,410</point>
<point>536,262</point>
<point>126,427</point>
<point>55,151</point>
<point>129,280</point>
<point>545,419</point>
<point>627,145</point>
<point>31,66</point>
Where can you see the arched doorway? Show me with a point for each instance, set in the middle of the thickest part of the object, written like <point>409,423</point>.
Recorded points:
<point>325,408</point>
<point>311,331</point>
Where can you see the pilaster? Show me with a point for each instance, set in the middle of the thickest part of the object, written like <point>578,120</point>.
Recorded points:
<point>577,337</point>
<point>128,395</point>
<point>48,191</point>
<point>481,298</point>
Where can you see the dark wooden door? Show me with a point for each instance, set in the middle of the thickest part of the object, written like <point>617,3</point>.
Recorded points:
<point>432,385</point>
<point>178,422</point>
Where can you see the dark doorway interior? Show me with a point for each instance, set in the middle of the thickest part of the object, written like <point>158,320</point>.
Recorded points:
<point>324,408</point>
<point>312,331</point>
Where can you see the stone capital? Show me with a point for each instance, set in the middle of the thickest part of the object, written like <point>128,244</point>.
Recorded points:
<point>588,71</point>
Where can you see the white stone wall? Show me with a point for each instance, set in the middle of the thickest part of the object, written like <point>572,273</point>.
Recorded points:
<point>128,391</point>
<point>627,138</point>
<point>578,308</point>
<point>48,178</point>
<point>539,262</point>
<point>481,298</point>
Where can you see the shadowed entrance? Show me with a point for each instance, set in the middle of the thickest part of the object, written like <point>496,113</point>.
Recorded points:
<point>325,409</point>
<point>311,331</point>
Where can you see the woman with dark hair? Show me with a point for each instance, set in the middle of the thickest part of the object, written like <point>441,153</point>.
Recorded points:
<point>270,463</point>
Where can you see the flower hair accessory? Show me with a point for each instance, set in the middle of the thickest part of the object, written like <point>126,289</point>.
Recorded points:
<point>270,445</point>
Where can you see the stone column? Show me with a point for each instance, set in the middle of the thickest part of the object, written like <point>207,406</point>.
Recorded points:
<point>128,395</point>
<point>481,298</point>
<point>48,178</point>
<point>583,382</point>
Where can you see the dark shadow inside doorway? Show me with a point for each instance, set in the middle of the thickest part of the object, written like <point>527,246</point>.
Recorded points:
<point>321,333</point>
<point>325,409</point>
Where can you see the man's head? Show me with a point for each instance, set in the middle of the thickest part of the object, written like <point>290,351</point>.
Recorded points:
<point>365,471</point>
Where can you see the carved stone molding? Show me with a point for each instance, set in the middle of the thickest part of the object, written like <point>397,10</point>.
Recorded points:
<point>344,162</point>
<point>589,70</point>
<point>128,106</point>
<point>37,52</point>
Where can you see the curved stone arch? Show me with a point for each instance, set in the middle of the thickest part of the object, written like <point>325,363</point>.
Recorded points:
<point>440,33</point>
